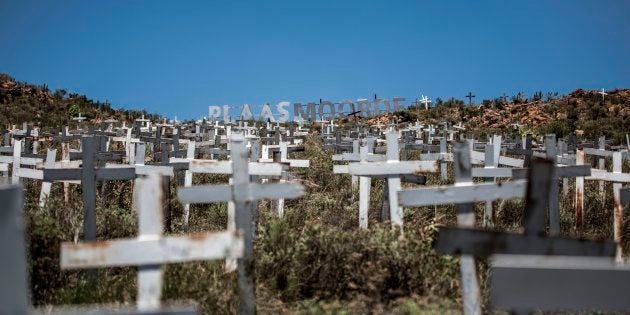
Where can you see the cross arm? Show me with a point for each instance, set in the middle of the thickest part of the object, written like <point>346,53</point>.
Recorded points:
<point>61,174</point>
<point>597,174</point>
<point>222,193</point>
<point>133,252</point>
<point>559,171</point>
<point>123,172</point>
<point>482,243</point>
<point>395,168</point>
<point>462,194</point>
<point>116,309</point>
<point>225,167</point>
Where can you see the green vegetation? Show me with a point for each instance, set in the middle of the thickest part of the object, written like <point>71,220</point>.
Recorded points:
<point>314,260</point>
<point>22,102</point>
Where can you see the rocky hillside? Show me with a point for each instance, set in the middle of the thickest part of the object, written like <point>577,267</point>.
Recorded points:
<point>584,112</point>
<point>22,102</point>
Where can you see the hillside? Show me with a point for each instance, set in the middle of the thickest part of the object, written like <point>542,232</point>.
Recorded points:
<point>23,102</point>
<point>581,111</point>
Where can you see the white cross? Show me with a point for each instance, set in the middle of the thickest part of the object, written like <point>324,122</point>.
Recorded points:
<point>243,193</point>
<point>200,166</point>
<point>603,93</point>
<point>464,193</point>
<point>391,169</point>
<point>425,100</point>
<point>151,249</point>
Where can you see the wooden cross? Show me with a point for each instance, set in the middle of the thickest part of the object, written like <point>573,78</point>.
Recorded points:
<point>17,161</point>
<point>14,287</point>
<point>242,193</point>
<point>391,169</point>
<point>425,100</point>
<point>617,178</point>
<point>483,243</point>
<point>200,166</point>
<point>89,175</point>
<point>79,119</point>
<point>283,158</point>
<point>151,249</point>
<point>603,93</point>
<point>470,96</point>
<point>468,241</point>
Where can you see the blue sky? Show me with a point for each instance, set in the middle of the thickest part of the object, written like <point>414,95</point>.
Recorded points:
<point>178,57</point>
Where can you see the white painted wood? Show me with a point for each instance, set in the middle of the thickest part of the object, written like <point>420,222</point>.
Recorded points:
<point>463,194</point>
<point>141,251</point>
<point>151,249</point>
<point>388,168</point>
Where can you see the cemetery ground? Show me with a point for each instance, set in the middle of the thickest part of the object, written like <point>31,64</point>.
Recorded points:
<point>314,260</point>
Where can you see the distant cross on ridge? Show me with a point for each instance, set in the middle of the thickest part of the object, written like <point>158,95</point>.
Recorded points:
<point>603,93</point>
<point>504,98</point>
<point>470,96</point>
<point>425,100</point>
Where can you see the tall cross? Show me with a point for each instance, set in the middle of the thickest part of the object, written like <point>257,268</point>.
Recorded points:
<point>603,93</point>
<point>243,193</point>
<point>470,96</point>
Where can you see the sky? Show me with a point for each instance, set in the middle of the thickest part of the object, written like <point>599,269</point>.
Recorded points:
<point>176,58</point>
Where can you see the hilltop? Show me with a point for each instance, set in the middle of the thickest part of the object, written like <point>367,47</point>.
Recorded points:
<point>584,112</point>
<point>23,102</point>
